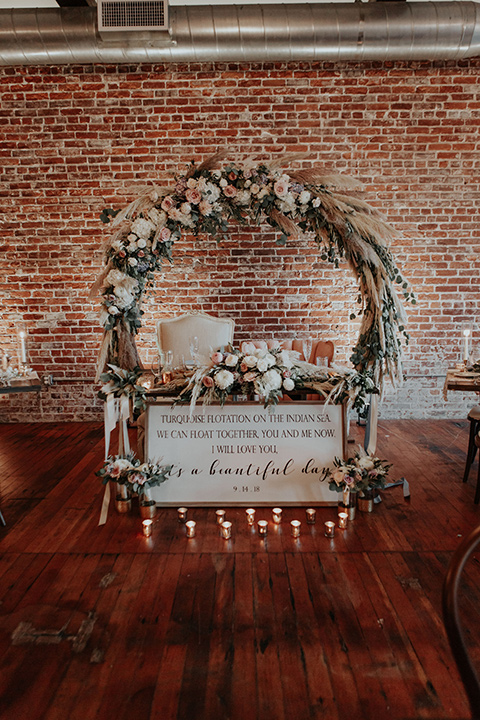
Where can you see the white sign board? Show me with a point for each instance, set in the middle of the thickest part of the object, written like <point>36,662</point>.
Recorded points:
<point>243,454</point>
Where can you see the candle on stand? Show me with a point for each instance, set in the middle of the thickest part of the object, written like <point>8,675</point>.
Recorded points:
<point>295,527</point>
<point>147,527</point>
<point>226,530</point>
<point>190,528</point>
<point>277,515</point>
<point>262,527</point>
<point>5,361</point>
<point>466,335</point>
<point>23,351</point>
<point>182,514</point>
<point>342,520</point>
<point>311,514</point>
<point>220,516</point>
<point>250,516</point>
<point>329,529</point>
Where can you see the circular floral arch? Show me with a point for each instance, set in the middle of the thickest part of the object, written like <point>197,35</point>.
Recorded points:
<point>211,194</point>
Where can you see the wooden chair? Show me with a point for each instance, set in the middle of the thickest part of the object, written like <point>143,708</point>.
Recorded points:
<point>175,334</point>
<point>452,623</point>
<point>474,420</point>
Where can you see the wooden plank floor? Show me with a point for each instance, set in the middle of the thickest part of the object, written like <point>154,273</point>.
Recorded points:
<point>99,622</point>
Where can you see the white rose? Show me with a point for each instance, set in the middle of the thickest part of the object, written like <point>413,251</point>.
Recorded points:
<point>132,247</point>
<point>142,243</point>
<point>365,463</point>
<point>113,310</point>
<point>316,202</point>
<point>254,189</point>
<point>250,360</point>
<point>115,277</point>
<point>191,183</point>
<point>124,297</point>
<point>217,174</point>
<point>132,261</point>
<point>262,365</point>
<point>304,197</point>
<point>270,360</point>
<point>272,379</point>
<point>155,216</point>
<point>186,208</point>
<point>223,183</point>
<point>339,476</point>
<point>231,360</point>
<point>223,379</point>
<point>285,359</point>
<point>248,348</point>
<point>142,227</point>
<point>288,384</point>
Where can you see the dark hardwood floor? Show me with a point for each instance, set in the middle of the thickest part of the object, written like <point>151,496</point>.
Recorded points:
<point>99,622</point>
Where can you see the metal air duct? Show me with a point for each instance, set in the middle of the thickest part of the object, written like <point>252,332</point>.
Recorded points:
<point>332,32</point>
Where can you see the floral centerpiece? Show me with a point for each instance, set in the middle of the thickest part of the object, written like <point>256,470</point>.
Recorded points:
<point>359,474</point>
<point>118,382</point>
<point>252,370</point>
<point>133,477</point>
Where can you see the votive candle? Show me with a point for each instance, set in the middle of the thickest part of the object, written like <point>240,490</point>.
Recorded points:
<point>329,529</point>
<point>226,530</point>
<point>220,516</point>
<point>311,514</point>
<point>262,527</point>
<point>147,527</point>
<point>342,520</point>
<point>250,516</point>
<point>182,514</point>
<point>295,527</point>
<point>190,528</point>
<point>277,515</point>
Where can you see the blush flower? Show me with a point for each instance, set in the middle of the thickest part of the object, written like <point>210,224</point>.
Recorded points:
<point>280,188</point>
<point>217,357</point>
<point>193,196</point>
<point>208,381</point>
<point>230,191</point>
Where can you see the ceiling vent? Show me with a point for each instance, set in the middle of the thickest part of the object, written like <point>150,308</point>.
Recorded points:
<point>132,15</point>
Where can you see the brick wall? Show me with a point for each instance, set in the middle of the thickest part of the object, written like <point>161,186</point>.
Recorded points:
<point>76,139</point>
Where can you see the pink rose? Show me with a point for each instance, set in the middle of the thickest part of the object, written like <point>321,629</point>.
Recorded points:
<point>122,253</point>
<point>165,234</point>
<point>168,203</point>
<point>193,196</point>
<point>140,253</point>
<point>243,367</point>
<point>280,188</point>
<point>208,381</point>
<point>217,357</point>
<point>230,191</point>
<point>232,176</point>
<point>249,376</point>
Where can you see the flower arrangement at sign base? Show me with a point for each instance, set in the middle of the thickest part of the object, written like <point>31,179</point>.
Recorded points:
<point>133,477</point>
<point>206,198</point>
<point>360,474</point>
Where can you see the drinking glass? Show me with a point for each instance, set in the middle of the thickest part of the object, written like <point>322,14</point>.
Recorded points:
<point>194,347</point>
<point>307,344</point>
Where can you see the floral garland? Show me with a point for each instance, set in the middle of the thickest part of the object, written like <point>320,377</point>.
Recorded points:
<point>119,382</point>
<point>205,199</point>
<point>137,477</point>
<point>358,474</point>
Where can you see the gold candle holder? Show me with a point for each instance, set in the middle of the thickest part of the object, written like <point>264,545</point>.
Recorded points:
<point>329,529</point>
<point>295,527</point>
<point>147,527</point>
<point>311,514</point>
<point>182,514</point>
<point>342,520</point>
<point>220,516</point>
<point>262,526</point>
<point>250,516</point>
<point>277,515</point>
<point>190,528</point>
<point>226,530</point>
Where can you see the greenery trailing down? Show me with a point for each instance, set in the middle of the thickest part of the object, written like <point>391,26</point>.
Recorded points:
<point>119,382</point>
<point>210,195</point>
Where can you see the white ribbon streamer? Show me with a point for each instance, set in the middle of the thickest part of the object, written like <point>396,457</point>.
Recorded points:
<point>110,413</point>
<point>105,504</point>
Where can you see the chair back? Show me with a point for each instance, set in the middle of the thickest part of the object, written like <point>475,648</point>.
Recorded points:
<point>451,619</point>
<point>175,334</point>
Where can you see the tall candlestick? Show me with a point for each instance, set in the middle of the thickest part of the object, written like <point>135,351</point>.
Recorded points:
<point>23,352</point>
<point>466,335</point>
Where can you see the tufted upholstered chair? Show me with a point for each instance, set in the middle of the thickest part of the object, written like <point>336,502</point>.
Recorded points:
<point>175,334</point>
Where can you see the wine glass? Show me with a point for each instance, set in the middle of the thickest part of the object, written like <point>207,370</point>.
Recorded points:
<point>194,348</point>
<point>307,344</point>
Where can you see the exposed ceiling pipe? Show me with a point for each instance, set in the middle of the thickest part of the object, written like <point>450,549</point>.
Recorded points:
<point>250,33</point>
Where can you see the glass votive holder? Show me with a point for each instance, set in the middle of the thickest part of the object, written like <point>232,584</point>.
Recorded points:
<point>342,520</point>
<point>190,528</point>
<point>277,515</point>
<point>311,514</point>
<point>329,529</point>
<point>182,514</point>
<point>250,512</point>
<point>147,527</point>
<point>220,516</point>
<point>262,526</point>
<point>226,530</point>
<point>295,528</point>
